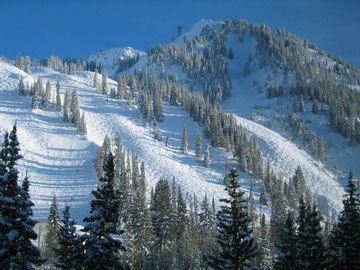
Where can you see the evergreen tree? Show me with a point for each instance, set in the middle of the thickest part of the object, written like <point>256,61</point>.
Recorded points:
<point>286,259</point>
<point>345,249</point>
<point>70,254</point>
<point>263,197</point>
<point>101,247</point>
<point>74,108</point>
<point>47,97</point>
<point>52,230</point>
<point>198,146</point>
<point>157,134</point>
<point>234,236</point>
<point>163,222</point>
<point>185,141</point>
<point>21,86</point>
<point>158,106</point>
<point>207,160</point>
<point>58,97</point>
<point>16,225</point>
<point>104,86</point>
<point>35,99</point>
<point>265,261</point>
<point>67,106</point>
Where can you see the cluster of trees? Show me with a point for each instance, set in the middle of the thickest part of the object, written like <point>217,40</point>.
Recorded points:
<point>172,232</point>
<point>204,61</point>
<point>299,130</point>
<point>41,97</point>
<point>318,78</point>
<point>64,66</point>
<point>71,111</point>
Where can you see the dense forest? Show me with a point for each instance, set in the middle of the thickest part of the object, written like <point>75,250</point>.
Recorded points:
<point>123,231</point>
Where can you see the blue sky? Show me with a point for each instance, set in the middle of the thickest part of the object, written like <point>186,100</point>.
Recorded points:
<point>77,28</point>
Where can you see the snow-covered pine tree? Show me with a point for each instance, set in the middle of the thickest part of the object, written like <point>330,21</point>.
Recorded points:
<point>163,224</point>
<point>233,233</point>
<point>263,197</point>
<point>21,87</point>
<point>104,86</point>
<point>70,254</point>
<point>52,230</point>
<point>67,106</point>
<point>185,141</point>
<point>158,106</point>
<point>265,259</point>
<point>16,225</point>
<point>102,244</point>
<point>199,146</point>
<point>35,98</point>
<point>344,249</point>
<point>287,247</point>
<point>74,108</point>
<point>207,160</point>
<point>58,97</point>
<point>47,96</point>
<point>101,155</point>
<point>157,134</point>
<point>207,229</point>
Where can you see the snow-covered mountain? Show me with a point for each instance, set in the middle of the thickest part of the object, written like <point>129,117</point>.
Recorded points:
<point>116,59</point>
<point>60,161</point>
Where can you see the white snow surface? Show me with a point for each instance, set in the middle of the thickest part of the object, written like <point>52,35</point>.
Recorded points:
<point>60,161</point>
<point>325,182</point>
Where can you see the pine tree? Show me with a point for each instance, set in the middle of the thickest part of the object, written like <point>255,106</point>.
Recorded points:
<point>163,222</point>
<point>74,108</point>
<point>207,161</point>
<point>52,230</point>
<point>16,225</point>
<point>21,86</point>
<point>70,254</point>
<point>58,97</point>
<point>157,134</point>
<point>185,141</point>
<point>67,106</point>
<point>286,259</point>
<point>35,99</point>
<point>101,247</point>
<point>234,236</point>
<point>47,97</point>
<point>198,146</point>
<point>104,87</point>
<point>158,106</point>
<point>265,261</point>
<point>345,249</point>
<point>263,197</point>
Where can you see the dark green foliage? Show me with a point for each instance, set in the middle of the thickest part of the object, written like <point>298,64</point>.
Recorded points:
<point>163,217</point>
<point>344,249</point>
<point>234,236</point>
<point>70,254</point>
<point>16,225</point>
<point>286,259</point>
<point>101,245</point>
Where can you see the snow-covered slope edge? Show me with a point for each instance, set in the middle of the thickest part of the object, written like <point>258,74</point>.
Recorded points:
<point>59,161</point>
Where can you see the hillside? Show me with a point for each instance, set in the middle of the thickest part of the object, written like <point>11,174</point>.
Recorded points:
<point>60,161</point>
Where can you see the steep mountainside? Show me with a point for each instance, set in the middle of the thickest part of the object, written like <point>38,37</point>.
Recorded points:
<point>270,81</point>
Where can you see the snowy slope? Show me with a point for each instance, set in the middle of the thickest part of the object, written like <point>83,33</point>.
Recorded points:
<point>110,58</point>
<point>324,181</point>
<point>60,161</point>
